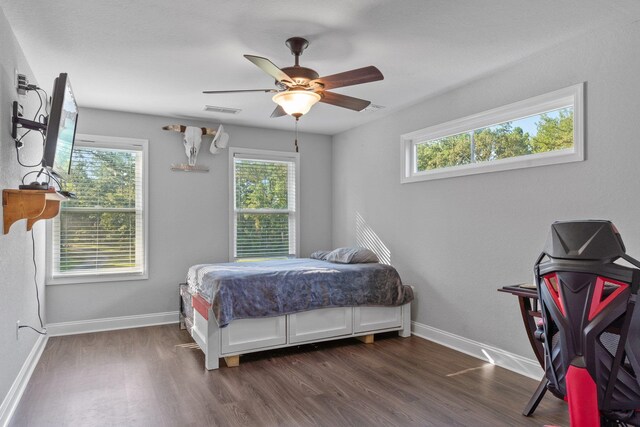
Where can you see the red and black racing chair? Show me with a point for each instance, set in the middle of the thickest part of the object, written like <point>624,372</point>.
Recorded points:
<point>591,323</point>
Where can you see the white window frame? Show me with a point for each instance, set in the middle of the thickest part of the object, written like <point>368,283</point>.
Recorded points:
<point>100,141</point>
<point>249,153</point>
<point>572,96</point>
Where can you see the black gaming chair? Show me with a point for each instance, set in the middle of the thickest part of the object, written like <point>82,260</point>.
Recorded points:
<point>591,323</point>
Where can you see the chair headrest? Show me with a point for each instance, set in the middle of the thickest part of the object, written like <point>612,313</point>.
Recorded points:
<point>584,240</point>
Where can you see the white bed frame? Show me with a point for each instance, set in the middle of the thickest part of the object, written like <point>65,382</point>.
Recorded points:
<point>251,335</point>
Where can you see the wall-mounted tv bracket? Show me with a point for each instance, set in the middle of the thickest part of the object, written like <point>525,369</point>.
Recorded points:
<point>18,121</point>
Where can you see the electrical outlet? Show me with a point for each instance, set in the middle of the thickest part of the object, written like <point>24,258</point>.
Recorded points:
<point>17,329</point>
<point>21,83</point>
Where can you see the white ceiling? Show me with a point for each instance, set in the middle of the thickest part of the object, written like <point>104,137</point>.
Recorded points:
<point>156,56</point>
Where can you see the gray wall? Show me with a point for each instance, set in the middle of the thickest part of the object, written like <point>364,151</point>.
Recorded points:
<point>17,288</point>
<point>189,212</point>
<point>459,239</point>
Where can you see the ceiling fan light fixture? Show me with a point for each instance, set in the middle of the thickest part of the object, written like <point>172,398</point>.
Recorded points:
<point>296,102</point>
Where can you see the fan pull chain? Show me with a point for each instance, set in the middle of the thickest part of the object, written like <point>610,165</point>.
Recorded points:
<point>296,141</point>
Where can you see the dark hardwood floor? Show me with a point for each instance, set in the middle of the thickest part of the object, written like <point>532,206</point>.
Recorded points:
<point>155,377</point>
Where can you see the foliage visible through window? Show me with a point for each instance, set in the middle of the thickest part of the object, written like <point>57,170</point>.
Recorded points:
<point>101,231</point>
<point>265,213</point>
<point>541,133</point>
<point>544,130</point>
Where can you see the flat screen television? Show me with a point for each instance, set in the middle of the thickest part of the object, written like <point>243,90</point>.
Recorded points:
<point>61,128</point>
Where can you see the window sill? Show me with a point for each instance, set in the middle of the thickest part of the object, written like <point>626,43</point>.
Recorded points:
<point>533,160</point>
<point>86,279</point>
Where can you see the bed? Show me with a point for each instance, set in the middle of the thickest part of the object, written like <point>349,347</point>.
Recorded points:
<point>232,309</point>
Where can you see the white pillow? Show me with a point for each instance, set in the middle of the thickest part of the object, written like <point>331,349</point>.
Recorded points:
<point>321,255</point>
<point>352,256</point>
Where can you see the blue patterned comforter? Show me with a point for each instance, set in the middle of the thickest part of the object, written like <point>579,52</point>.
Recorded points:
<point>272,288</point>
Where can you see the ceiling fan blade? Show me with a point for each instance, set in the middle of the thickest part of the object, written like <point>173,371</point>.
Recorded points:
<point>278,112</point>
<point>350,78</point>
<point>344,101</point>
<point>241,90</point>
<point>270,68</point>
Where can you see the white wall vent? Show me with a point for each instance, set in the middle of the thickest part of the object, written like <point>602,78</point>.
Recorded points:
<point>223,110</point>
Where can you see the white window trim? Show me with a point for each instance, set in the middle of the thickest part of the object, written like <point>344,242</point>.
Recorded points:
<point>108,142</point>
<point>569,96</point>
<point>260,155</point>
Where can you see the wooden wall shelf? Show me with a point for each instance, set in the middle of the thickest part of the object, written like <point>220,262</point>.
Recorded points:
<point>32,205</point>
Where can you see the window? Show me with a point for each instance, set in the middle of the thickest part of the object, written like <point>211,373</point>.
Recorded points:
<point>264,204</point>
<point>101,235</point>
<point>539,131</point>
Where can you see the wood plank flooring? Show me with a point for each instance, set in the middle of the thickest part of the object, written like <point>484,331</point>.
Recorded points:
<point>155,376</point>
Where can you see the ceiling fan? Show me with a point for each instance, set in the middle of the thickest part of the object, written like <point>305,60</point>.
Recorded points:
<point>299,88</point>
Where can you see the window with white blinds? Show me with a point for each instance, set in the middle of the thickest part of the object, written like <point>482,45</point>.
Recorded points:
<point>264,204</point>
<point>100,235</point>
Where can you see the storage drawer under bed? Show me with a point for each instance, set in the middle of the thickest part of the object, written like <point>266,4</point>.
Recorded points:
<point>367,319</point>
<point>320,324</point>
<point>253,334</point>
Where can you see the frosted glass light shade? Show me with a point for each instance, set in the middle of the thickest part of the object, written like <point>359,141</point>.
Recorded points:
<point>296,102</point>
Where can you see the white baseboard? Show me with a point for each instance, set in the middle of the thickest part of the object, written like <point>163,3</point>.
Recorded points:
<point>111,323</point>
<point>511,361</point>
<point>11,400</point>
